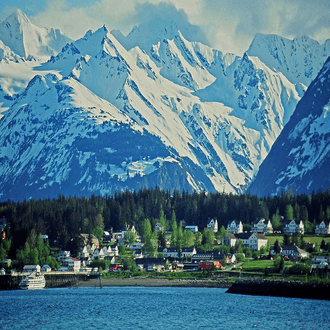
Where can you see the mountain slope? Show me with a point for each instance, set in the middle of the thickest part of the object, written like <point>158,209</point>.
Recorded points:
<point>300,158</point>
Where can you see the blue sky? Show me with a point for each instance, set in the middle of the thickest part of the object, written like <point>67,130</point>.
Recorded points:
<point>230,25</point>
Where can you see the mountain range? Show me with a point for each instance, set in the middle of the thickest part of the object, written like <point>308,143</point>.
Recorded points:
<point>157,107</point>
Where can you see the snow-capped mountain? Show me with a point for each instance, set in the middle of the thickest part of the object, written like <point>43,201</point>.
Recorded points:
<point>103,116</point>
<point>23,47</point>
<point>300,158</point>
<point>29,41</point>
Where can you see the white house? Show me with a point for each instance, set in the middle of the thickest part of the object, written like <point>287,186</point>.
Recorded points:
<point>235,227</point>
<point>262,226</point>
<point>74,265</point>
<point>171,252</point>
<point>188,252</point>
<point>256,241</point>
<point>213,223</point>
<point>294,226</point>
<point>229,240</point>
<point>322,228</point>
<point>293,251</point>
<point>193,229</point>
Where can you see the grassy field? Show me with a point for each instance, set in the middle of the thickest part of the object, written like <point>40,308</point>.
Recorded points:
<point>310,239</point>
<point>257,265</point>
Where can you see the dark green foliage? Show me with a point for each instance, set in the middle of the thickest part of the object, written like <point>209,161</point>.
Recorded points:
<point>300,268</point>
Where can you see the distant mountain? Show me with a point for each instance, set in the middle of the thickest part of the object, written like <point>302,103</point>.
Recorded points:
<point>300,158</point>
<point>29,41</point>
<point>300,59</point>
<point>160,24</point>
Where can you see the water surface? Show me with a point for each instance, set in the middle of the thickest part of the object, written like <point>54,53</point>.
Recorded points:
<point>157,308</point>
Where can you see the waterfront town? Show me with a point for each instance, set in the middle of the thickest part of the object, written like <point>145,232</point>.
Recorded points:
<point>224,249</point>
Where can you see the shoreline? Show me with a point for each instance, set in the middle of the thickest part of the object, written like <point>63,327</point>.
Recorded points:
<point>153,282</point>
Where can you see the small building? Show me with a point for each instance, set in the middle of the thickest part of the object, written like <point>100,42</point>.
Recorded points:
<point>235,227</point>
<point>293,252</point>
<point>193,229</point>
<point>151,264</point>
<point>213,224</point>
<point>158,227</point>
<point>209,264</point>
<point>31,268</point>
<point>45,268</point>
<point>64,255</point>
<point>322,228</point>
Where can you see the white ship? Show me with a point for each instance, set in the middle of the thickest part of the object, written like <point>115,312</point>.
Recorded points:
<point>33,281</point>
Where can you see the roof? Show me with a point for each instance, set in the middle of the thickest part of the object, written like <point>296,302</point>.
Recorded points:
<point>74,259</point>
<point>146,261</point>
<point>243,235</point>
<point>231,235</point>
<point>172,249</point>
<point>188,249</point>
<point>259,236</point>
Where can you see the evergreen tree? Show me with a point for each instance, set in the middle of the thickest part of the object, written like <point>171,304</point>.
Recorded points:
<point>174,236</point>
<point>277,247</point>
<point>289,212</point>
<point>286,239</point>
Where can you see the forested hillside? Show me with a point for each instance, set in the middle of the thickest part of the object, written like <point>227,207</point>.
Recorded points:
<point>64,219</point>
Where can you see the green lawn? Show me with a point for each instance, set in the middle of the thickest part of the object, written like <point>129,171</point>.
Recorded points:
<point>310,239</point>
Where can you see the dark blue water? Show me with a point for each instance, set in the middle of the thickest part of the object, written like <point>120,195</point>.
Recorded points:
<point>157,308</point>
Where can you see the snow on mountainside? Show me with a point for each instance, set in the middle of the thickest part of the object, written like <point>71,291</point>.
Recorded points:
<point>300,158</point>
<point>300,59</point>
<point>196,138</point>
<point>103,115</point>
<point>29,41</point>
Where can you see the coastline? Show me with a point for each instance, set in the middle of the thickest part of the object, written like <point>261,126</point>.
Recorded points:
<point>153,282</point>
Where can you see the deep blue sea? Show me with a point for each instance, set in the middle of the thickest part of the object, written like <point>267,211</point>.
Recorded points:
<point>156,308</point>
